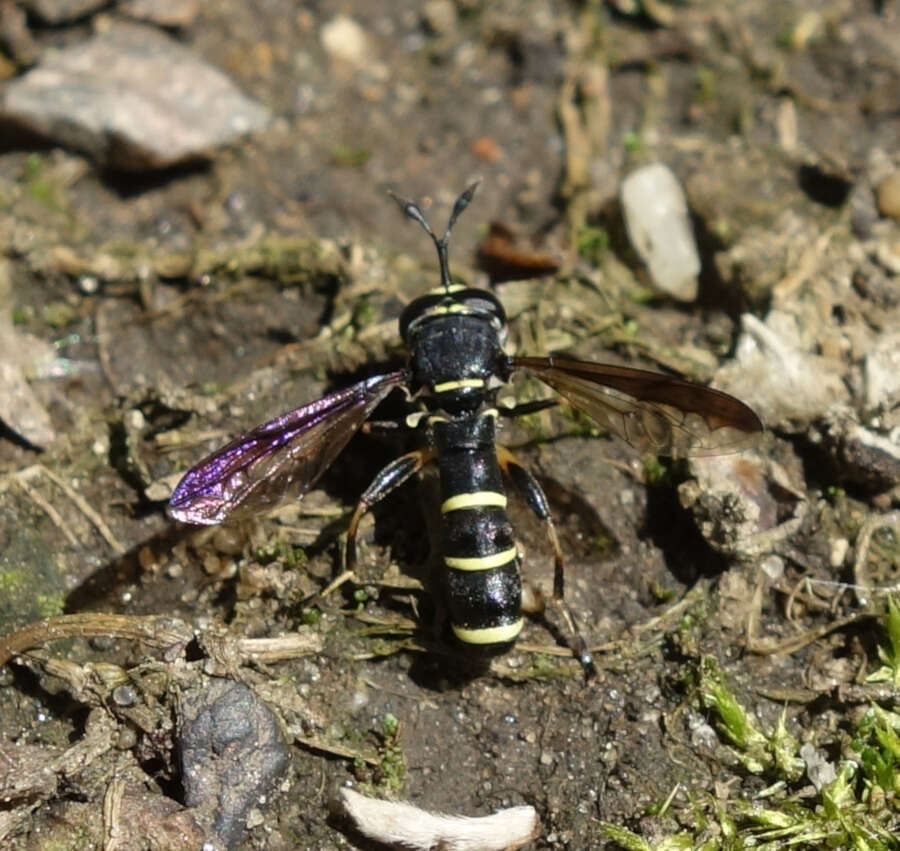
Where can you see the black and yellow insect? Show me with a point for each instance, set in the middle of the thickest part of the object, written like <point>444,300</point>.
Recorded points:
<point>457,364</point>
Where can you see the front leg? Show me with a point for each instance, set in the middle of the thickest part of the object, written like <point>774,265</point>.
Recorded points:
<point>387,480</point>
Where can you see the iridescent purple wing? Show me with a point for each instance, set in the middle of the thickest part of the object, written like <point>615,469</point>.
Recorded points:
<point>652,412</point>
<point>279,460</point>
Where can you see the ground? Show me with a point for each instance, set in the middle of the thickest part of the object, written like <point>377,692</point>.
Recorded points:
<point>191,304</point>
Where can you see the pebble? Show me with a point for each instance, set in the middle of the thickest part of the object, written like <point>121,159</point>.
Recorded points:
<point>887,195</point>
<point>176,14</point>
<point>738,502</point>
<point>659,227</point>
<point>440,16</point>
<point>20,408</point>
<point>232,751</point>
<point>62,11</point>
<point>838,552</point>
<point>345,40</point>
<point>861,455</point>
<point>132,98</point>
<point>773,567</point>
<point>19,46</point>
<point>887,253</point>
<point>881,371</point>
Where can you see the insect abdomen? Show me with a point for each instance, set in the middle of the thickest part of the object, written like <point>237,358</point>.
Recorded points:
<point>484,588</point>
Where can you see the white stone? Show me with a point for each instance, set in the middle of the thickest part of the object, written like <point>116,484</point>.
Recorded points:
<point>782,382</point>
<point>882,372</point>
<point>346,41</point>
<point>659,227</point>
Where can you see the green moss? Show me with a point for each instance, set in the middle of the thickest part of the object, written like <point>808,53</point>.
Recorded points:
<point>391,771</point>
<point>348,156</point>
<point>889,654</point>
<point>732,721</point>
<point>835,494</point>
<point>592,243</point>
<point>655,472</point>
<point>856,808</point>
<point>39,184</point>
<point>310,617</point>
<point>660,593</point>
<point>58,314</point>
<point>633,142</point>
<point>282,551</point>
<point>11,581</point>
<point>707,89</point>
<point>580,424</point>
<point>602,543</point>
<point>31,576</point>
<point>363,313</point>
<point>48,605</point>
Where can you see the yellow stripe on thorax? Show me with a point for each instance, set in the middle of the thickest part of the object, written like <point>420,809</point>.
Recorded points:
<point>489,634</point>
<point>476,499</point>
<point>482,562</point>
<point>458,384</point>
<point>446,309</point>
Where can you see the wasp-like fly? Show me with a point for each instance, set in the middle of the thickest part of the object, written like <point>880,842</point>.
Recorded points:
<point>456,366</point>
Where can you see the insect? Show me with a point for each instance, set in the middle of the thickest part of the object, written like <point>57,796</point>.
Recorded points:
<point>456,365</point>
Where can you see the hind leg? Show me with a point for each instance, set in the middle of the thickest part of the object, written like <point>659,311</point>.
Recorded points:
<point>530,488</point>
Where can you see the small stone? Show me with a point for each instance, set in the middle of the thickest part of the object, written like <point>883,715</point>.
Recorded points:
<point>738,502</point>
<point>62,11</point>
<point>887,254</point>
<point>838,552</point>
<point>20,408</point>
<point>439,16</point>
<point>487,149</point>
<point>773,567</point>
<point>861,455</point>
<point>232,751</point>
<point>887,195</point>
<point>820,771</point>
<point>659,227</point>
<point>88,284</point>
<point>15,36</point>
<point>176,14</point>
<point>882,372</point>
<point>346,41</point>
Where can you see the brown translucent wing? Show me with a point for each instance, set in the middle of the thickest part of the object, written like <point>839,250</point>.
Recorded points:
<point>654,413</point>
<point>279,460</point>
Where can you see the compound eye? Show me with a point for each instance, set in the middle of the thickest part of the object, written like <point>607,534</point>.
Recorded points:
<point>484,302</point>
<point>415,310</point>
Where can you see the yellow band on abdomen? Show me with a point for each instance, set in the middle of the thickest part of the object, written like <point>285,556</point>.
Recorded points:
<point>476,499</point>
<point>489,634</point>
<point>482,562</point>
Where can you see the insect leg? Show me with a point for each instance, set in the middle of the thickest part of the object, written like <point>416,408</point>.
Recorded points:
<point>531,489</point>
<point>388,479</point>
<point>525,408</point>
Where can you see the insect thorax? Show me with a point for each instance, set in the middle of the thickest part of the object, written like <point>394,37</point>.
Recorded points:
<point>456,347</point>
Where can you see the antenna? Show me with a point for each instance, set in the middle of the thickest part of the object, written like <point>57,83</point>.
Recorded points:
<point>411,209</point>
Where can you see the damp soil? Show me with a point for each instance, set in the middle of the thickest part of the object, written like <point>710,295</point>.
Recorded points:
<point>191,305</point>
